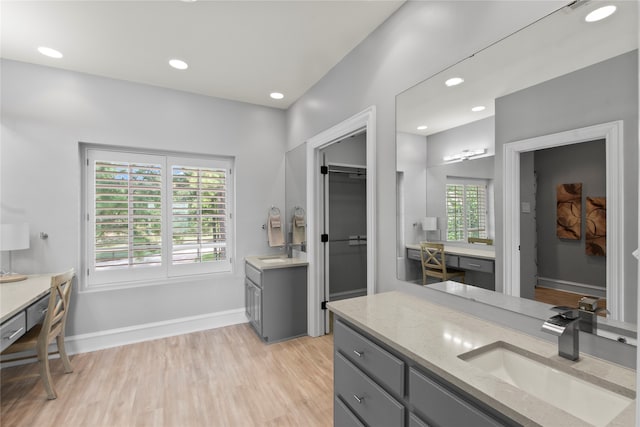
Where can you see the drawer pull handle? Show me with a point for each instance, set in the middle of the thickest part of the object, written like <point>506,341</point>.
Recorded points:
<point>358,353</point>
<point>14,334</point>
<point>358,399</point>
<point>44,310</point>
<point>474,265</point>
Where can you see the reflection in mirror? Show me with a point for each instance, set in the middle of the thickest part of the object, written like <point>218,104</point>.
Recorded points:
<point>558,75</point>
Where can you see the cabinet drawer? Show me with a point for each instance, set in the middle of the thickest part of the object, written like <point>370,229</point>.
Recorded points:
<point>342,415</point>
<point>364,397</point>
<point>253,274</point>
<point>415,421</point>
<point>414,254</point>
<point>441,406</point>
<point>477,264</point>
<point>371,358</point>
<point>37,311</point>
<point>12,329</point>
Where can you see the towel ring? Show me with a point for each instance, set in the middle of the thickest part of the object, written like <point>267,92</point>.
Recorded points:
<point>274,211</point>
<point>299,211</point>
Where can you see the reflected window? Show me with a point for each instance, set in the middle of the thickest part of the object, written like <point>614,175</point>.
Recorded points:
<point>466,209</point>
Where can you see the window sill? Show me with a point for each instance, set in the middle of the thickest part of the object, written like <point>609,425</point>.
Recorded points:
<point>178,280</point>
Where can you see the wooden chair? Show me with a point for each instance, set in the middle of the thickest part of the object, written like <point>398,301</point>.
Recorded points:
<point>434,263</point>
<point>40,336</point>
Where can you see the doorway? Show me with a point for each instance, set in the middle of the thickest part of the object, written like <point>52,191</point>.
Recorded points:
<point>345,213</point>
<point>363,122</point>
<point>613,136</point>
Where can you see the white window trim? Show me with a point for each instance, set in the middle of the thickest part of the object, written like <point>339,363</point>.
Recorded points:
<point>471,181</point>
<point>167,273</point>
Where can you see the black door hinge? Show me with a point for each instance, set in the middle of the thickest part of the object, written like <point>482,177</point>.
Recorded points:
<point>324,238</point>
<point>324,170</point>
<point>323,305</point>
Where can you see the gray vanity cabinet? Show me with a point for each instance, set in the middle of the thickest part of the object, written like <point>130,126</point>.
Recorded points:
<point>276,301</point>
<point>376,386</point>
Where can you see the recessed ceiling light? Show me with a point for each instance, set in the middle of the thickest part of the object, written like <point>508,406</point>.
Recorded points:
<point>276,95</point>
<point>600,13</point>
<point>178,64</point>
<point>423,127</point>
<point>454,81</point>
<point>51,53</point>
<point>478,108</point>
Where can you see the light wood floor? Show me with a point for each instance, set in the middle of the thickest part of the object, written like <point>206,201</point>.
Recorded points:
<point>569,299</point>
<point>220,377</point>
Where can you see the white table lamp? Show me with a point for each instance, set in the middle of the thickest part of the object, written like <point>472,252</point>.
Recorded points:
<point>429,223</point>
<point>13,237</point>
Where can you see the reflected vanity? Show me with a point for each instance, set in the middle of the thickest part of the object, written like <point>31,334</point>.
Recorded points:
<point>537,82</point>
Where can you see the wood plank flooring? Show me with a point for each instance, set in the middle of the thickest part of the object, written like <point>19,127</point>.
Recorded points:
<point>569,299</point>
<point>219,377</point>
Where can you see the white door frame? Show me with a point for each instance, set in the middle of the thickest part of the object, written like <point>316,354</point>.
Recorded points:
<point>612,133</point>
<point>365,120</point>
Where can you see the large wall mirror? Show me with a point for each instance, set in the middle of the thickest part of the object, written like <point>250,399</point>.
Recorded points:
<point>560,98</point>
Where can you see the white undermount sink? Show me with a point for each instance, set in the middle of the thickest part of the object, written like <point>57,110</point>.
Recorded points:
<point>538,377</point>
<point>271,260</point>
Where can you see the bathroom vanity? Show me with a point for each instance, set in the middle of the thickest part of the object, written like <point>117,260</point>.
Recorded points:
<point>276,296</point>
<point>403,361</point>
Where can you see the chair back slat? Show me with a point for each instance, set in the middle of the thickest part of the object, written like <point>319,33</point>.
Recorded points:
<point>55,320</point>
<point>432,255</point>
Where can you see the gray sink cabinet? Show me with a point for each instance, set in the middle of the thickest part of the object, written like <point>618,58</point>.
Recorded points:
<point>376,386</point>
<point>276,301</point>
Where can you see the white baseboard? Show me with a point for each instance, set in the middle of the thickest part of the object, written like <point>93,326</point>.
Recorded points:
<point>95,341</point>
<point>575,287</point>
<point>150,331</point>
<point>347,294</point>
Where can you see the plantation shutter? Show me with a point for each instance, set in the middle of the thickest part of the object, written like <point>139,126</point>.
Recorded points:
<point>476,210</point>
<point>466,201</point>
<point>199,214</point>
<point>455,212</point>
<point>127,214</point>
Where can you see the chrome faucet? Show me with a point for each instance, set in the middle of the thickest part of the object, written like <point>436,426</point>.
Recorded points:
<point>588,310</point>
<point>565,326</point>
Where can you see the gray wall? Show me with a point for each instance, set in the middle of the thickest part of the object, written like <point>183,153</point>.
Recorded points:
<point>412,160</point>
<point>561,258</point>
<point>471,136</point>
<point>601,93</point>
<point>419,40</point>
<point>46,112</point>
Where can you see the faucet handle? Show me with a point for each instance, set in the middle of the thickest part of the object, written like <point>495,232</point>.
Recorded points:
<point>566,312</point>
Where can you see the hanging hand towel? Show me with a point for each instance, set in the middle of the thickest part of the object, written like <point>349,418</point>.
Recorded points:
<point>299,229</point>
<point>274,230</point>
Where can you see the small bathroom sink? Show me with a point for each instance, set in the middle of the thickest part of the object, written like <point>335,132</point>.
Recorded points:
<point>544,379</point>
<point>272,260</point>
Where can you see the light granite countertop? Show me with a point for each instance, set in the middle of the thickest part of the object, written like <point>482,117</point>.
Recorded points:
<point>433,336</point>
<point>268,262</point>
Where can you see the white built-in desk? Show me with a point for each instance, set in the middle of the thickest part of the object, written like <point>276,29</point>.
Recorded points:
<point>22,305</point>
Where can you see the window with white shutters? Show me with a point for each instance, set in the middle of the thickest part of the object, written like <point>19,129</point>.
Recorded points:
<point>152,216</point>
<point>466,203</point>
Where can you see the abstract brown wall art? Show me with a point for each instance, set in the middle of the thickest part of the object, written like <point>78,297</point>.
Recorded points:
<point>596,226</point>
<point>569,207</point>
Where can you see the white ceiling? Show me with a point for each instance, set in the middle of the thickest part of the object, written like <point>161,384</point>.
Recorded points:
<point>239,50</point>
<point>559,44</point>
